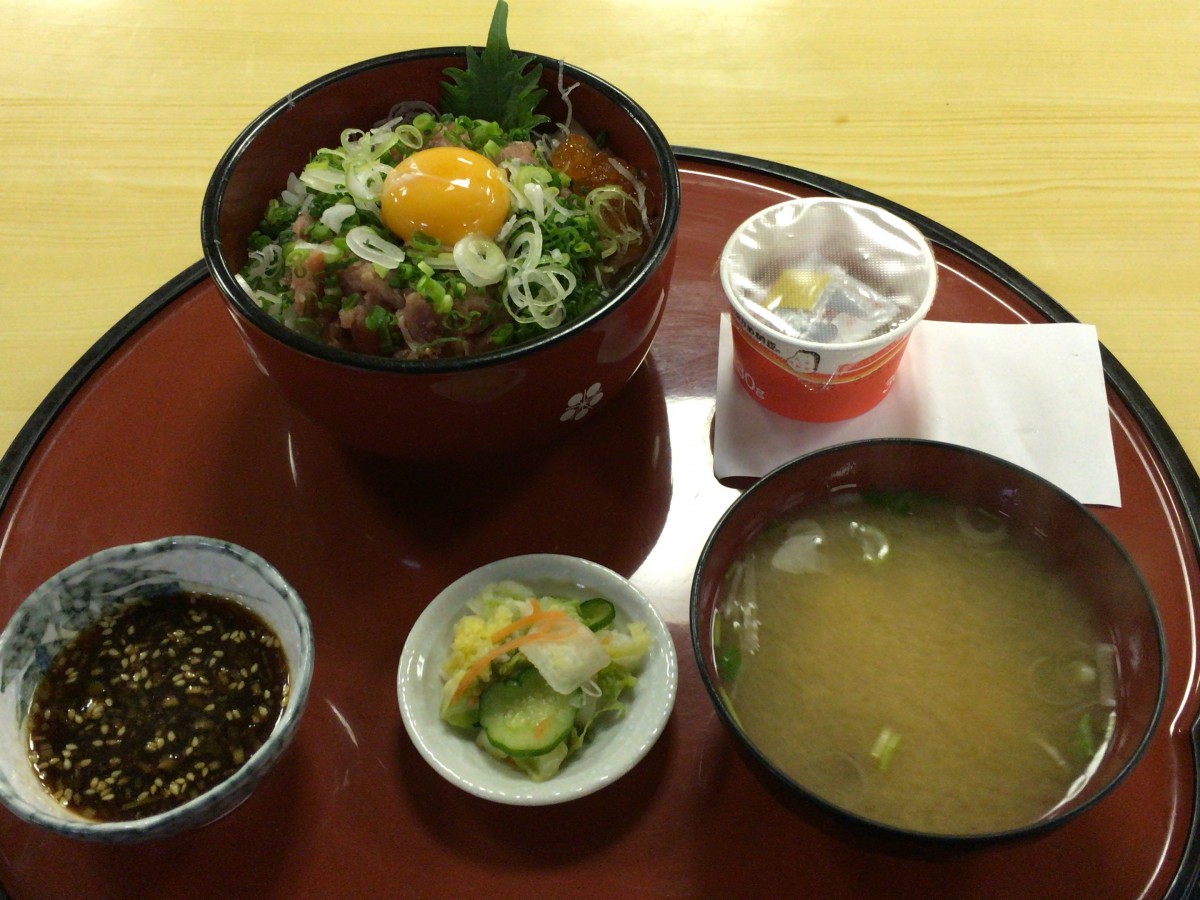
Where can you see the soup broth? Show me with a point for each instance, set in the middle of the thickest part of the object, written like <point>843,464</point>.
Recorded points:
<point>915,664</point>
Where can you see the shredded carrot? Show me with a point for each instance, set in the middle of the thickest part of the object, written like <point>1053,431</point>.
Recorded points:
<point>550,616</point>
<point>542,628</point>
<point>539,730</point>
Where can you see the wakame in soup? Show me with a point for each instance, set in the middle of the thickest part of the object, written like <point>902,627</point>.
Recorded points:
<point>915,664</point>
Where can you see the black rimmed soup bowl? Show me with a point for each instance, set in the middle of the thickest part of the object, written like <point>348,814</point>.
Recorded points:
<point>927,642</point>
<point>457,407</point>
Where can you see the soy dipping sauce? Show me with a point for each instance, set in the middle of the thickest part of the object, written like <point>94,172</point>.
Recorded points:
<point>154,704</point>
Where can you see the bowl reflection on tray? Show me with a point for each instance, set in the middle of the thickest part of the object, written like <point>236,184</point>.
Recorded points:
<point>616,513</point>
<point>616,743</point>
<point>985,659</point>
<point>519,396</point>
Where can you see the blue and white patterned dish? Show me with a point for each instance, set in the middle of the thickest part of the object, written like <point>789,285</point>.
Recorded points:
<point>84,591</point>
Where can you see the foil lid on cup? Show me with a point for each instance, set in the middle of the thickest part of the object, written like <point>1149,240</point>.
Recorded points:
<point>828,271</point>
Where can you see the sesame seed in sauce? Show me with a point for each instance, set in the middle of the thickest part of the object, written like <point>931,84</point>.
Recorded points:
<point>124,688</point>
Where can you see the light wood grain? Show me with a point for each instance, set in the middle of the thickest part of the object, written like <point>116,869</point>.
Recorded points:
<point>1061,135</point>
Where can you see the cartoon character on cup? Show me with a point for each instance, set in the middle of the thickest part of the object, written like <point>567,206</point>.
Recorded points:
<point>804,361</point>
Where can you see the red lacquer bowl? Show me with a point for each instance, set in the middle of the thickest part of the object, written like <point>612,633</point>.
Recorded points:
<point>440,409</point>
<point>1070,540</point>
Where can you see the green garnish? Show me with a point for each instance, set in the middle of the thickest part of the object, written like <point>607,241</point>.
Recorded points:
<point>899,502</point>
<point>597,612</point>
<point>729,663</point>
<point>884,748</point>
<point>495,86</point>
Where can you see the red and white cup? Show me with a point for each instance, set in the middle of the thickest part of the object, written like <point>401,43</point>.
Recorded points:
<point>824,294</point>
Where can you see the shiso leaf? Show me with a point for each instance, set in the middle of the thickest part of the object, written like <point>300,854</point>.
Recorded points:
<point>497,84</point>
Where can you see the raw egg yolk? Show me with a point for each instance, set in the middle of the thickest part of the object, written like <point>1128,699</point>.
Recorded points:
<point>445,193</point>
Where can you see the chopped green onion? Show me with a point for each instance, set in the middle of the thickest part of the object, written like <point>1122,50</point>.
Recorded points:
<point>410,136</point>
<point>307,325</point>
<point>423,242</point>
<point>435,293</point>
<point>378,318</point>
<point>502,335</point>
<point>884,748</point>
<point>729,662</point>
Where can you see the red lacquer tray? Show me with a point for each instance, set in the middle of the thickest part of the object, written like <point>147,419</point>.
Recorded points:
<point>166,427</point>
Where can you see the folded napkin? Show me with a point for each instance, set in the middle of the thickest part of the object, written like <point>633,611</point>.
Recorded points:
<point>1031,394</point>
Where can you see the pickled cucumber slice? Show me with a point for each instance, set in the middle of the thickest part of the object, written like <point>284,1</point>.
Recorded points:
<point>524,716</point>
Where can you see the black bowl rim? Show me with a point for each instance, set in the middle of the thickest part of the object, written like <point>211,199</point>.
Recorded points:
<point>1024,831</point>
<point>237,299</point>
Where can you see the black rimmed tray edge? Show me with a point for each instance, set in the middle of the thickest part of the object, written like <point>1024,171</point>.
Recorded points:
<point>1178,467</point>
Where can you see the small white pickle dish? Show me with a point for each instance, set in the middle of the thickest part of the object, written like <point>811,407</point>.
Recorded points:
<point>615,745</point>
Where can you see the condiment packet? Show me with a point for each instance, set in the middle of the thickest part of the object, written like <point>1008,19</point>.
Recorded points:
<point>1031,394</point>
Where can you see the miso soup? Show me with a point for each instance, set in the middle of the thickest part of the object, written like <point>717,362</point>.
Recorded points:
<point>914,663</point>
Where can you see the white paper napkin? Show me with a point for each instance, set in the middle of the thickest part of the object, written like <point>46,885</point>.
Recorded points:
<point>1031,394</point>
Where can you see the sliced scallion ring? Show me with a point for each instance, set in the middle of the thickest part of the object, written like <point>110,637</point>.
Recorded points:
<point>480,261</point>
<point>365,243</point>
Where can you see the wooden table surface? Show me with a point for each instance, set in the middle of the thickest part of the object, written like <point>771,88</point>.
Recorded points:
<point>1061,135</point>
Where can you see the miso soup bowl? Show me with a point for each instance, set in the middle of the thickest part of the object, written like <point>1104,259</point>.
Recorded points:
<point>501,401</point>
<point>1074,543</point>
<point>102,583</point>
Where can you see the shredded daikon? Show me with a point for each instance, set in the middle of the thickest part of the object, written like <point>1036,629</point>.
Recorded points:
<point>598,204</point>
<point>565,93</point>
<point>272,303</point>
<point>639,190</point>
<point>296,191</point>
<point>334,217</point>
<point>264,263</point>
<point>1051,751</point>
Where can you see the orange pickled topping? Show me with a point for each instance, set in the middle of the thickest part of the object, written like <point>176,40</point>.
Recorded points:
<point>586,164</point>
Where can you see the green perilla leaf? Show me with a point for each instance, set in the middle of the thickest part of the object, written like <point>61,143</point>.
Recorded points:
<point>497,85</point>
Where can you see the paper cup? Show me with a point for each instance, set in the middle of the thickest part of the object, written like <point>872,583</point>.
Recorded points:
<point>824,294</point>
